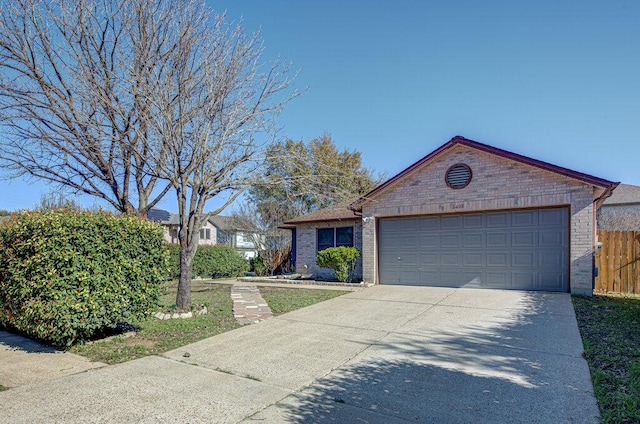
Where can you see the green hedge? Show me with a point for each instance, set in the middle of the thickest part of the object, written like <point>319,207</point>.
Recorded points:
<point>342,260</point>
<point>65,275</point>
<point>211,262</point>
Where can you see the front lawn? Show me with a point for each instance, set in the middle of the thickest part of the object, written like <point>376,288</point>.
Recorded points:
<point>610,329</point>
<point>157,336</point>
<point>283,300</point>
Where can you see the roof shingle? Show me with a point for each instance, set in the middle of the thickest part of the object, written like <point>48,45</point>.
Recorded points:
<point>338,212</point>
<point>624,194</point>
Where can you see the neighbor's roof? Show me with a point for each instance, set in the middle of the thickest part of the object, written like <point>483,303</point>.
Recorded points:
<point>624,194</point>
<point>224,223</point>
<point>232,223</point>
<point>461,141</point>
<point>163,217</point>
<point>338,212</point>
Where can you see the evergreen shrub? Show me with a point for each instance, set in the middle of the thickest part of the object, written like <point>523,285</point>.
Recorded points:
<point>66,275</point>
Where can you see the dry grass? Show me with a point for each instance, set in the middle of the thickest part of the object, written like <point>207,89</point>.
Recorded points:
<point>610,329</point>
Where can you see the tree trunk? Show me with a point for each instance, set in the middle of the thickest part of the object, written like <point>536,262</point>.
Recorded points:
<point>183,298</point>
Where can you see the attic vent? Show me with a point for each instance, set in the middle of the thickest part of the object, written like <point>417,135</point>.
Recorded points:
<point>458,176</point>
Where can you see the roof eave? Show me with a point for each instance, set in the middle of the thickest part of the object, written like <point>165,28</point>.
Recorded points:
<point>459,140</point>
<point>313,221</point>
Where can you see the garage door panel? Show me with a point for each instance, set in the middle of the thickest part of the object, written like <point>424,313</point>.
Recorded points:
<point>450,259</point>
<point>525,250</point>
<point>497,220</point>
<point>526,239</point>
<point>550,238</point>
<point>408,274</point>
<point>473,259</point>
<point>523,260</point>
<point>450,222</point>
<point>498,260</point>
<point>497,279</point>
<point>448,241</point>
<point>497,240</point>
<point>549,217</point>
<point>475,240</point>
<point>471,222</point>
<point>411,243</point>
<point>430,259</point>
<point>551,260</point>
<point>408,258</point>
<point>428,242</point>
<point>456,279</point>
<point>551,281</point>
<point>523,219</point>
<point>429,224</point>
<point>523,280</point>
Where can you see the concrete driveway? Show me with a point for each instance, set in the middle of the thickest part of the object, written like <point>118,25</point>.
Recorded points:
<point>388,354</point>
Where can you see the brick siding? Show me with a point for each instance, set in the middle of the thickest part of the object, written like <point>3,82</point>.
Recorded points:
<point>497,184</point>
<point>306,243</point>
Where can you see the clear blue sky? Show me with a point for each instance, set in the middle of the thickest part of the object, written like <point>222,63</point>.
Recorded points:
<point>555,80</point>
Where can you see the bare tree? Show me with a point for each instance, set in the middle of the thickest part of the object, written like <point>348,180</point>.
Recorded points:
<point>77,81</point>
<point>126,100</point>
<point>212,120</point>
<point>272,243</point>
<point>57,199</point>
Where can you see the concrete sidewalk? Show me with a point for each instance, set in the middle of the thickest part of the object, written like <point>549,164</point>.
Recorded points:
<point>24,361</point>
<point>385,354</point>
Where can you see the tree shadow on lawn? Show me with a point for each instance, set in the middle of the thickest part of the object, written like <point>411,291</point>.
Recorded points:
<point>511,369</point>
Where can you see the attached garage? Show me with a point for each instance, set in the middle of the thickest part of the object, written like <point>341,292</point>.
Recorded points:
<point>524,250</point>
<point>470,215</point>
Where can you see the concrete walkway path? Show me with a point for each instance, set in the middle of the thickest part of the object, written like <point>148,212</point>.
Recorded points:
<point>248,305</point>
<point>380,355</point>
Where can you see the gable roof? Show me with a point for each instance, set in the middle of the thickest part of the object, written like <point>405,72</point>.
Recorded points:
<point>461,141</point>
<point>339,212</point>
<point>232,223</point>
<point>224,223</point>
<point>624,194</point>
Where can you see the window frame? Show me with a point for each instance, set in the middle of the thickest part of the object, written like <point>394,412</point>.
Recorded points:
<point>205,233</point>
<point>334,235</point>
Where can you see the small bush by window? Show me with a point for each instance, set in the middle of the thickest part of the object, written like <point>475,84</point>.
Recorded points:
<point>341,259</point>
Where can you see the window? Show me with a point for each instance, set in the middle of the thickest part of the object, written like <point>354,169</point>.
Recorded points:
<point>334,237</point>
<point>223,238</point>
<point>205,234</point>
<point>325,238</point>
<point>244,240</point>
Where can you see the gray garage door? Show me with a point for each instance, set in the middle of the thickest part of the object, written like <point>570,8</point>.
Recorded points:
<point>523,250</point>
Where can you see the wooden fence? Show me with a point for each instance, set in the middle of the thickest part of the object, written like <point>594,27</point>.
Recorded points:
<point>618,262</point>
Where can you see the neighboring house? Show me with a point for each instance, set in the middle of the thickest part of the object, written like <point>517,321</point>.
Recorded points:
<point>621,211</point>
<point>467,215</point>
<point>238,233</point>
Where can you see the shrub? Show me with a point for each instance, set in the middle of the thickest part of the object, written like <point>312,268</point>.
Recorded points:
<point>211,261</point>
<point>66,275</point>
<point>257,266</point>
<point>341,259</point>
